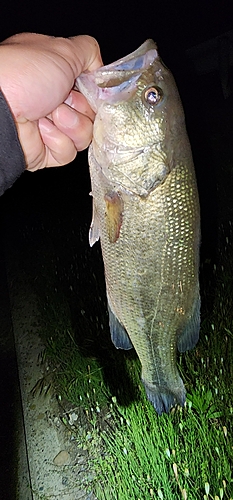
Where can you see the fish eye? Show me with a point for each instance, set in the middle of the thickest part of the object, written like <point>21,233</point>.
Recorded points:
<point>153,95</point>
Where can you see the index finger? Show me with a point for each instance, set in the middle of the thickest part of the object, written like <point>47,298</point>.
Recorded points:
<point>87,53</point>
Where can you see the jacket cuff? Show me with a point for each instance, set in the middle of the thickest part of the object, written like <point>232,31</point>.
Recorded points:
<point>12,162</point>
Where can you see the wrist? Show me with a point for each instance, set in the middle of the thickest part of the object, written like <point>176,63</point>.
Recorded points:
<point>8,71</point>
<point>12,162</point>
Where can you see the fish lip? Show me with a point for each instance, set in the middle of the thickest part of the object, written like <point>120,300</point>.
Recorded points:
<point>129,66</point>
<point>148,45</point>
<point>118,80</point>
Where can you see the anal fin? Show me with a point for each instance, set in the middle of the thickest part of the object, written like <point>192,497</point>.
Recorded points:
<point>119,335</point>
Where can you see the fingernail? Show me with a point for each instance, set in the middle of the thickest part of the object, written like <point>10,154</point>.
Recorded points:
<point>46,125</point>
<point>69,100</point>
<point>67,117</point>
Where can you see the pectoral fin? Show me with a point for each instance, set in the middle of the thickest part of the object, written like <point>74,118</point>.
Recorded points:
<point>190,335</point>
<point>114,215</point>
<point>119,336</point>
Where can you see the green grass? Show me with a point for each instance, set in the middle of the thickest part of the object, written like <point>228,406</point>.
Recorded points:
<point>189,453</point>
<point>136,454</point>
<point>174,456</point>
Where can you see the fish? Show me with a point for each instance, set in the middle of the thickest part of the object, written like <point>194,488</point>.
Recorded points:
<point>146,214</point>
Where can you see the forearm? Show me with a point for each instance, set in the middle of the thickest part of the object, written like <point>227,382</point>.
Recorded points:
<point>12,162</point>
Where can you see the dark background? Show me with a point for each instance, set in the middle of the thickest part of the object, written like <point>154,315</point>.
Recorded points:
<point>120,27</point>
<point>57,199</point>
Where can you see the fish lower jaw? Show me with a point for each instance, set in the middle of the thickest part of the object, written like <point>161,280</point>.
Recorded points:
<point>163,398</point>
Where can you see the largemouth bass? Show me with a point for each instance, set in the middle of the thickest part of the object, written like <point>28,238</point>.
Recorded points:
<point>146,214</point>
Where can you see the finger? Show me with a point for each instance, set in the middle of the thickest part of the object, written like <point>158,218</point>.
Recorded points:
<point>77,126</point>
<point>46,68</point>
<point>87,51</point>
<point>82,52</point>
<point>77,101</point>
<point>59,148</point>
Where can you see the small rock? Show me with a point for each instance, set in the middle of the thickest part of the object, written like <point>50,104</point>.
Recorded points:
<point>62,458</point>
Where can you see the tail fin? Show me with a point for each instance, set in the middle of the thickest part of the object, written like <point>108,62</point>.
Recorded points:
<point>163,399</point>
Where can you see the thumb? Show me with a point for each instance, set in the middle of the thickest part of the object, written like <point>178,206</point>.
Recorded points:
<point>85,54</point>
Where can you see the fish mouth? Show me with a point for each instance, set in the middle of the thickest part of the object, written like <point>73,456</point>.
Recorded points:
<point>117,81</point>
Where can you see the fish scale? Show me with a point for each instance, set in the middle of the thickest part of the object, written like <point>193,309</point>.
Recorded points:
<point>146,214</point>
<point>158,285</point>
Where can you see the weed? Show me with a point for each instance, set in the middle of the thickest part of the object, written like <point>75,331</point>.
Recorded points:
<point>187,454</point>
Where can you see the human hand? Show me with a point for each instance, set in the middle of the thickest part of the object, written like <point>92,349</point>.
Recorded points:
<point>37,74</point>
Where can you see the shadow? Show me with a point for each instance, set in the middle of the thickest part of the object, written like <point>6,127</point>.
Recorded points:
<point>88,307</point>
<point>47,229</point>
<point>11,416</point>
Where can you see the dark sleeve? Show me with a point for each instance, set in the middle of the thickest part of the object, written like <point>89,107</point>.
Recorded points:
<point>12,162</point>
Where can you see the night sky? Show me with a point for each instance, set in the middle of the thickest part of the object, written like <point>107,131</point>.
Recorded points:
<point>121,26</point>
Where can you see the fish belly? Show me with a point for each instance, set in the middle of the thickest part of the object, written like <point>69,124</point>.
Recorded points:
<point>151,273</point>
